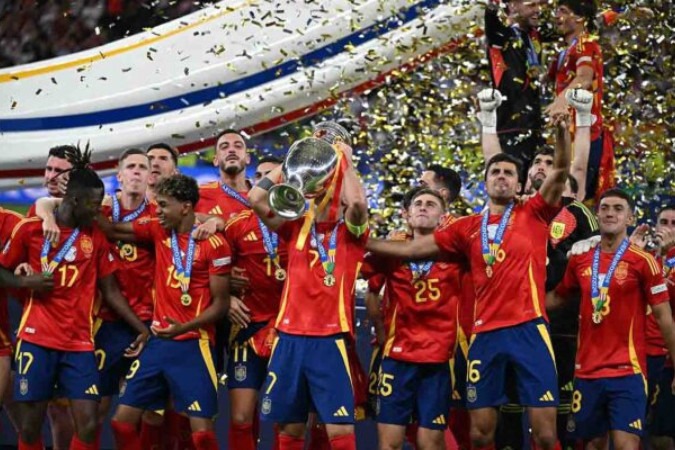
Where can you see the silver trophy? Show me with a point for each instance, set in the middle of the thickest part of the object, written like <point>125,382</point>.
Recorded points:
<point>306,171</point>
<point>332,132</point>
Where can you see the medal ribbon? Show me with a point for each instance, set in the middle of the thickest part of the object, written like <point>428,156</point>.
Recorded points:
<point>327,259</point>
<point>599,293</point>
<point>49,267</point>
<point>271,243</point>
<point>235,195</point>
<point>183,272</point>
<point>531,53</point>
<point>490,250</point>
<point>670,263</point>
<point>420,270</point>
<point>562,55</point>
<point>129,217</point>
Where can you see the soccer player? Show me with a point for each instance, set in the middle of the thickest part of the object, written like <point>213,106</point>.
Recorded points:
<point>617,281</point>
<point>505,246</point>
<point>262,259</point>
<point>580,66</point>
<point>56,171</point>
<point>309,363</point>
<point>514,55</point>
<point>227,197</point>
<point>191,294</point>
<point>442,180</point>
<point>55,346</point>
<point>415,376</point>
<point>163,160</point>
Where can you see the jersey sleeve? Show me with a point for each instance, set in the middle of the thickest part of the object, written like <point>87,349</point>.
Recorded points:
<point>375,283</point>
<point>570,282</point>
<point>449,237</point>
<point>654,285</point>
<point>542,210</point>
<point>587,52</point>
<point>107,264</point>
<point>233,229</point>
<point>496,33</point>
<point>16,248</point>
<point>220,256</point>
<point>146,229</point>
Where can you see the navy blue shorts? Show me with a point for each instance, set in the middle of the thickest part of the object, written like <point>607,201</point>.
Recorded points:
<point>43,373</point>
<point>181,370</point>
<point>308,373</point>
<point>245,369</point>
<point>111,341</point>
<point>663,420</point>
<point>524,348</point>
<point>414,390</point>
<point>605,404</point>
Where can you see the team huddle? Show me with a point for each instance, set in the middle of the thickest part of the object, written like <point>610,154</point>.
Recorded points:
<point>535,305</point>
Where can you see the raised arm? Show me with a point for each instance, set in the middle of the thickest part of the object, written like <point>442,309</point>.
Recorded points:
<point>489,100</point>
<point>554,185</point>
<point>353,196</point>
<point>258,196</point>
<point>120,231</point>
<point>423,247</point>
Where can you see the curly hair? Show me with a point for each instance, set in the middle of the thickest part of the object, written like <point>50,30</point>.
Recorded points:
<point>180,187</point>
<point>81,175</point>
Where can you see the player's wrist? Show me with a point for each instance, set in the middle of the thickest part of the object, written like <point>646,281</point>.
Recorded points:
<point>583,119</point>
<point>488,120</point>
<point>265,184</point>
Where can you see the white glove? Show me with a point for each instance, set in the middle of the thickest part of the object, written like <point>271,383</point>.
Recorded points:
<point>489,100</point>
<point>582,101</point>
<point>584,246</point>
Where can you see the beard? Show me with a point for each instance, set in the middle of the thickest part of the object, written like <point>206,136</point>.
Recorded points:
<point>231,169</point>
<point>537,183</point>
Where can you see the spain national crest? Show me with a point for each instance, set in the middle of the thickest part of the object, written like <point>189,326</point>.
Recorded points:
<point>266,406</point>
<point>23,386</point>
<point>471,395</point>
<point>240,372</point>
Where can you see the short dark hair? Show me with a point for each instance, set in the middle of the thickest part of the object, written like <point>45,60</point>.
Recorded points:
<point>230,131</point>
<point>167,147</point>
<point>181,187</point>
<point>427,191</point>
<point>616,192</point>
<point>448,178</point>
<point>60,151</point>
<point>544,150</point>
<point>127,153</point>
<point>270,159</point>
<point>81,175</point>
<point>574,184</point>
<point>582,8</point>
<point>504,157</point>
<point>408,196</point>
<point>668,207</point>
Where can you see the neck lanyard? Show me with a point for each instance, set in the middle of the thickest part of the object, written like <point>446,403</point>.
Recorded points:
<point>490,250</point>
<point>116,209</point>
<point>420,270</point>
<point>271,244</point>
<point>48,267</point>
<point>526,40</point>
<point>599,293</point>
<point>235,195</point>
<point>183,271</point>
<point>562,55</point>
<point>327,259</point>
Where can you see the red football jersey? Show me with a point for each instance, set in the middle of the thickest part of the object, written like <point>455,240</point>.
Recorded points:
<point>244,237</point>
<point>465,309</point>
<point>515,293</point>
<point>136,271</point>
<point>615,347</point>
<point>584,52</point>
<point>422,327</point>
<point>211,257</point>
<point>213,200</point>
<point>63,318</point>
<point>8,220</point>
<point>656,346</point>
<point>308,307</point>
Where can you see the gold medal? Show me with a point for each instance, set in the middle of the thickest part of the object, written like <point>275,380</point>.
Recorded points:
<point>186,299</point>
<point>488,271</point>
<point>329,280</point>
<point>280,274</point>
<point>597,317</point>
<point>126,250</point>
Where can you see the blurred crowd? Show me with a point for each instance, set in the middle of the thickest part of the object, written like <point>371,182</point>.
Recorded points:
<point>33,30</point>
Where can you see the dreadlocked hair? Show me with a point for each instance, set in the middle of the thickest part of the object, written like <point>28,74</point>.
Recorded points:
<point>81,175</point>
<point>181,187</point>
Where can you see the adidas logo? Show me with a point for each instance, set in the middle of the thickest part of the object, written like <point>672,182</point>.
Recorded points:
<point>636,424</point>
<point>342,412</point>
<point>547,397</point>
<point>194,407</point>
<point>569,387</point>
<point>250,237</point>
<point>93,390</point>
<point>216,211</point>
<point>440,420</point>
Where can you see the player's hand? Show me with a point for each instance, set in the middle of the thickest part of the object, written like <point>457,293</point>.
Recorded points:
<point>666,239</point>
<point>136,347</point>
<point>62,182</point>
<point>582,101</point>
<point>584,246</point>
<point>345,149</point>
<point>174,329</point>
<point>239,314</point>
<point>639,235</point>
<point>557,108</point>
<point>238,282</point>
<point>490,99</point>
<point>37,282</point>
<point>23,270</point>
<point>205,230</point>
<point>51,230</point>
